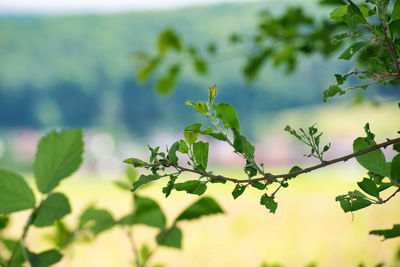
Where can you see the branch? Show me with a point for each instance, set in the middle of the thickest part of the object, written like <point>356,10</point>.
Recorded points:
<point>392,195</point>
<point>392,51</point>
<point>272,178</point>
<point>380,76</point>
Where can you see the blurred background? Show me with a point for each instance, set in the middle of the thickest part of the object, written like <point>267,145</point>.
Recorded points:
<point>71,64</point>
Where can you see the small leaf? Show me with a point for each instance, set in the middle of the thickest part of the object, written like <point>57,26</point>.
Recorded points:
<point>294,169</point>
<point>169,39</point>
<point>96,220</point>
<point>170,185</point>
<point>212,94</point>
<point>258,185</point>
<point>145,179</point>
<point>338,13</point>
<point>369,187</point>
<point>200,152</point>
<point>190,137</point>
<point>332,91</point>
<point>218,181</point>
<point>4,221</point>
<point>353,201</point>
<point>202,207</point>
<point>148,212</point>
<point>201,107</point>
<point>352,49</point>
<point>395,169</point>
<point>207,131</point>
<point>15,194</point>
<point>191,187</point>
<point>389,233</point>
<point>145,252</point>
<point>172,153</point>
<point>183,148</point>
<point>373,161</point>
<point>59,155</point>
<point>171,237</point>
<point>243,146</point>
<point>136,162</point>
<point>269,203</point>
<point>238,190</point>
<point>44,259</point>
<point>53,208</point>
<point>226,112</point>
<point>195,127</point>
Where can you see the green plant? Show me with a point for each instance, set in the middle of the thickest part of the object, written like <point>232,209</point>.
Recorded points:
<point>58,156</point>
<point>372,28</point>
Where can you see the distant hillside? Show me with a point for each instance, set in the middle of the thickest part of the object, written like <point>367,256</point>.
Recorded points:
<point>75,71</point>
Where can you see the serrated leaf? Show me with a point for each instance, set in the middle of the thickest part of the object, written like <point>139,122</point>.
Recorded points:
<point>202,207</point>
<point>353,201</point>
<point>170,185</point>
<point>44,259</point>
<point>201,107</point>
<point>171,237</point>
<point>15,194</point>
<point>190,137</point>
<point>96,220</point>
<point>238,190</point>
<point>369,187</point>
<point>352,49</point>
<point>59,155</point>
<point>148,212</point>
<point>53,208</point>
<point>395,169</point>
<point>200,152</point>
<point>331,92</point>
<point>269,203</point>
<point>195,127</point>
<point>145,179</point>
<point>373,161</point>
<point>226,112</point>
<point>388,233</point>
<point>191,187</point>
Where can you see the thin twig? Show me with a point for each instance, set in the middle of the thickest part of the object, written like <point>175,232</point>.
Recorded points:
<point>392,50</point>
<point>286,176</point>
<point>392,195</point>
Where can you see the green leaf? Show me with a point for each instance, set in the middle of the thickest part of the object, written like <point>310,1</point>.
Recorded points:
<point>396,147</point>
<point>353,201</point>
<point>131,174</point>
<point>145,179</point>
<point>172,153</point>
<point>243,146</point>
<point>200,152</point>
<point>190,137</point>
<point>218,181</point>
<point>269,203</point>
<point>202,207</point>
<point>384,186</point>
<point>195,127</point>
<point>44,259</point>
<point>338,13</point>
<point>4,221</point>
<point>170,185</point>
<point>169,39</point>
<point>145,252</point>
<point>389,233</point>
<point>19,257</point>
<point>136,162</point>
<point>258,185</point>
<point>96,220</point>
<point>395,169</point>
<point>59,155</point>
<point>62,236</point>
<point>183,148</point>
<point>53,208</point>
<point>354,16</point>
<point>207,131</point>
<point>167,82</point>
<point>396,10</point>
<point>294,169</point>
<point>352,49</point>
<point>373,161</point>
<point>369,187</point>
<point>171,237</point>
<point>148,212</point>
<point>331,92</point>
<point>218,136</point>
<point>238,190</point>
<point>191,187</point>
<point>15,194</point>
<point>226,112</point>
<point>148,68</point>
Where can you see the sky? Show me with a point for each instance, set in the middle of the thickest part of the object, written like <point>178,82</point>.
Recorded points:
<point>95,6</point>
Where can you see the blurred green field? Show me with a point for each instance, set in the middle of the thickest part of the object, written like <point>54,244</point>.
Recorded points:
<point>309,226</point>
